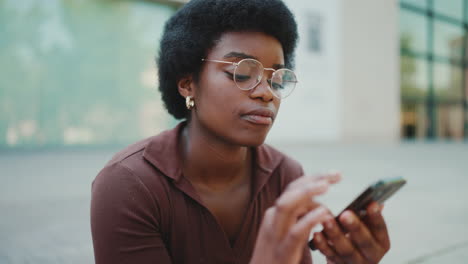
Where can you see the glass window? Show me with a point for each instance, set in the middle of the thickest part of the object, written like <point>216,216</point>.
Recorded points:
<point>466,120</point>
<point>448,40</point>
<point>414,78</point>
<point>413,31</point>
<point>466,84</point>
<point>448,68</point>
<point>448,81</point>
<point>78,71</point>
<point>413,121</point>
<point>466,123</point>
<point>417,3</point>
<point>451,8</point>
<point>450,121</point>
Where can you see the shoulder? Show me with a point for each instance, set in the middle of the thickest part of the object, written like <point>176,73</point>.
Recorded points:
<point>129,168</point>
<point>144,167</point>
<point>118,180</point>
<point>129,151</point>
<point>128,183</point>
<point>152,155</point>
<point>120,169</point>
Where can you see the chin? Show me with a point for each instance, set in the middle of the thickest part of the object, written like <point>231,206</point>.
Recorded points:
<point>252,140</point>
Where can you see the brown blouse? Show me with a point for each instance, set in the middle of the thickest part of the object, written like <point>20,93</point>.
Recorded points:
<point>144,211</point>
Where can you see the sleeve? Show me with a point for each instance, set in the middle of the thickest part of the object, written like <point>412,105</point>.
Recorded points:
<point>124,220</point>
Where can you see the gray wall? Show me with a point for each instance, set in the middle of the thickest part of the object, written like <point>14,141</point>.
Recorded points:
<point>369,62</point>
<point>349,85</point>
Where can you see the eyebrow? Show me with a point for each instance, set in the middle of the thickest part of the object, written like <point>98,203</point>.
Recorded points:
<point>241,55</point>
<point>278,66</point>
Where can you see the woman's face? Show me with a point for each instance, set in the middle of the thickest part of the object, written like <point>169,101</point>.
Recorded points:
<point>222,109</point>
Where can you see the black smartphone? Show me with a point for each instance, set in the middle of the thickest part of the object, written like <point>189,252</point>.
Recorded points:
<point>379,192</point>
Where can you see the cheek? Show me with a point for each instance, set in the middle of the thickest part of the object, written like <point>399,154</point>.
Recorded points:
<point>218,97</point>
<point>277,103</point>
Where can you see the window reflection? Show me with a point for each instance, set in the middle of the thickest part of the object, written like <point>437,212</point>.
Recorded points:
<point>466,84</point>
<point>452,8</point>
<point>417,3</point>
<point>450,121</point>
<point>413,30</point>
<point>79,72</point>
<point>432,48</point>
<point>414,79</point>
<point>414,122</point>
<point>448,40</point>
<point>448,81</point>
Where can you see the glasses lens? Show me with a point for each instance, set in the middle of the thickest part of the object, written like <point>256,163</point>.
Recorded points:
<point>283,82</point>
<point>248,74</point>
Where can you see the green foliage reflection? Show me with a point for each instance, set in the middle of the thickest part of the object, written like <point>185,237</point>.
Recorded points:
<point>79,72</point>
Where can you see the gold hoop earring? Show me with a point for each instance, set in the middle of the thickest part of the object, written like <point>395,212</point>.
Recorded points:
<point>189,102</point>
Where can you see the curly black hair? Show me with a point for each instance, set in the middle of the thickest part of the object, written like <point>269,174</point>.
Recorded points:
<point>194,29</point>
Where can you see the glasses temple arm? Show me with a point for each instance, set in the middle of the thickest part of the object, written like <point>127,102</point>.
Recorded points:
<point>225,62</point>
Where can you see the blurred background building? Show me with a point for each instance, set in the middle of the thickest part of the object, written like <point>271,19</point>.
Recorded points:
<point>82,72</point>
<point>378,79</point>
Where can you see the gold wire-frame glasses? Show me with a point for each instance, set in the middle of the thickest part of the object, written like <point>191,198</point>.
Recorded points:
<point>248,73</point>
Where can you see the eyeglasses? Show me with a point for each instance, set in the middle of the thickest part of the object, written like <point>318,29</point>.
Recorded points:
<point>248,73</point>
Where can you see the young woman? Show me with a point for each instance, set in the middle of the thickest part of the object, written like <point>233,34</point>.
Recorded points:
<point>209,190</point>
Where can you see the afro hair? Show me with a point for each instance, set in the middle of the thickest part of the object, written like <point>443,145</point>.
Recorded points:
<point>194,29</point>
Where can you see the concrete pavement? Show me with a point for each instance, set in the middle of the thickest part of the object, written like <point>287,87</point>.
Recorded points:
<point>44,199</point>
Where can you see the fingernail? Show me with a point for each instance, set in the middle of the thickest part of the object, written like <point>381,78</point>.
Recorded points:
<point>317,238</point>
<point>376,209</point>
<point>349,220</point>
<point>329,224</point>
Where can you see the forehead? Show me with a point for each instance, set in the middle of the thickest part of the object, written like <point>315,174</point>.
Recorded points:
<point>264,47</point>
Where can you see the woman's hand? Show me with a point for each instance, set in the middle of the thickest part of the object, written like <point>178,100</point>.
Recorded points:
<point>286,226</point>
<point>354,241</point>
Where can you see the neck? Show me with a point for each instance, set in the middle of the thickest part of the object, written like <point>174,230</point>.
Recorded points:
<point>211,161</point>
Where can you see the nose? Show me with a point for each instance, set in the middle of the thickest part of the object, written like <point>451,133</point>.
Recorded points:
<point>262,90</point>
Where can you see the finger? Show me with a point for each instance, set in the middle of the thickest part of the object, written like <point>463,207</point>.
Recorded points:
<point>377,226</point>
<point>307,208</point>
<point>361,237</point>
<point>299,232</point>
<point>331,178</point>
<point>296,202</point>
<point>311,242</point>
<point>321,244</point>
<point>342,245</point>
<point>299,197</point>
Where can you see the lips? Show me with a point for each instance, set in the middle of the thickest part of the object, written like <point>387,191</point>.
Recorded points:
<point>260,116</point>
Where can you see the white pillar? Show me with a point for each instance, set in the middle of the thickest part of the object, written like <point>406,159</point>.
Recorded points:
<point>370,82</point>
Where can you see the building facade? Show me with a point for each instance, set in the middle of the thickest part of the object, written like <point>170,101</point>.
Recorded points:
<point>82,73</point>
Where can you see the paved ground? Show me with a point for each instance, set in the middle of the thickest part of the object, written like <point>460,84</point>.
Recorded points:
<point>44,199</point>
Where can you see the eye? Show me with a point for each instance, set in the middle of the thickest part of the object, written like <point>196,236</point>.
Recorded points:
<point>242,78</point>
<point>277,86</point>
<point>230,75</point>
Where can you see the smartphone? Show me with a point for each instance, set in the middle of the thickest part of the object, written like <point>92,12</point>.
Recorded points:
<point>379,192</point>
